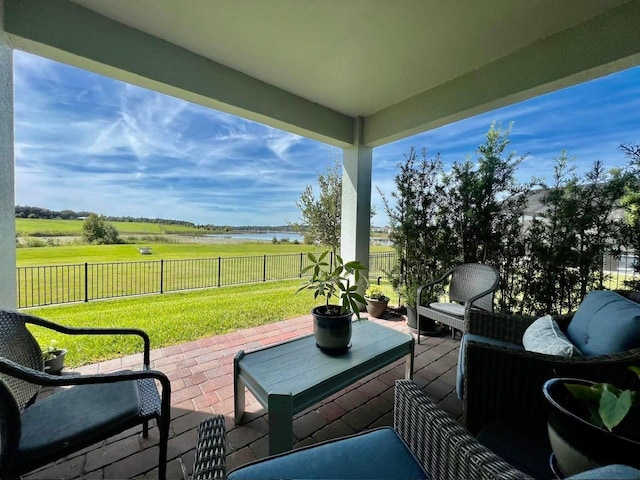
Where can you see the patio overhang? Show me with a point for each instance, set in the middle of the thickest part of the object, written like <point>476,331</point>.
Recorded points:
<point>355,74</point>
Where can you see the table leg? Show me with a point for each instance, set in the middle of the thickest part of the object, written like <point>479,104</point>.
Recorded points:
<point>238,389</point>
<point>408,363</point>
<point>280,423</point>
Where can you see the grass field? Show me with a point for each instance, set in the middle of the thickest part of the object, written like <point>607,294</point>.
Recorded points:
<point>52,227</point>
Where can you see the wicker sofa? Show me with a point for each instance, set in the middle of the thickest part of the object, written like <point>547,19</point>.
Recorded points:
<point>501,384</point>
<point>441,445</point>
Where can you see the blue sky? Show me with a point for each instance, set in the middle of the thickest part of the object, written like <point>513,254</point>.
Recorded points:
<point>87,142</point>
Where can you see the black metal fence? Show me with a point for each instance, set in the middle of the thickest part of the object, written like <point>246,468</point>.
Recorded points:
<point>55,284</point>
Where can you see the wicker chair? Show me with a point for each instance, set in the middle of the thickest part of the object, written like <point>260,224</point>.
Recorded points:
<point>442,446</point>
<point>503,384</point>
<point>97,407</point>
<point>470,285</point>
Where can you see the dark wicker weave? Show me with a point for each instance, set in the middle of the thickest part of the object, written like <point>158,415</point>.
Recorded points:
<point>21,376</point>
<point>209,463</point>
<point>506,384</point>
<point>443,447</point>
<point>471,284</point>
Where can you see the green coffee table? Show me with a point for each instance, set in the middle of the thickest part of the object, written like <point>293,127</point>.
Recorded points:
<point>291,376</point>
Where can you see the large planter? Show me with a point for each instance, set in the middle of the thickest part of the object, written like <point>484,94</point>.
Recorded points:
<point>332,332</point>
<point>577,444</point>
<point>427,326</point>
<point>376,308</point>
<point>55,365</point>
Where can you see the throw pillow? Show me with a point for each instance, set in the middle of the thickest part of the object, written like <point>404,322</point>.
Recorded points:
<point>605,323</point>
<point>544,336</point>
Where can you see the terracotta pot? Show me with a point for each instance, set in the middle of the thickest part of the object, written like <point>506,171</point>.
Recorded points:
<point>376,308</point>
<point>577,444</point>
<point>332,332</point>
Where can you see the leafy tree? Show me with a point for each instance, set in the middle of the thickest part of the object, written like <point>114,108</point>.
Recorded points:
<point>630,228</point>
<point>321,215</point>
<point>485,206</point>
<point>418,230</point>
<point>96,230</point>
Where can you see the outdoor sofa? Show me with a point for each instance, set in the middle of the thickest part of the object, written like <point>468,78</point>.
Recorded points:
<point>500,382</point>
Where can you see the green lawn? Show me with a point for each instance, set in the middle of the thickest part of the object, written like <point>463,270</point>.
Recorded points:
<point>171,318</point>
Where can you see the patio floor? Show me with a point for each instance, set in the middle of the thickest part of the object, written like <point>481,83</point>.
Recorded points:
<point>201,375</point>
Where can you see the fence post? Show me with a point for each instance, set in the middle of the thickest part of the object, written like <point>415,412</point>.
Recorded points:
<point>219,269</point>
<point>300,274</point>
<point>86,282</point>
<point>161,275</point>
<point>264,268</point>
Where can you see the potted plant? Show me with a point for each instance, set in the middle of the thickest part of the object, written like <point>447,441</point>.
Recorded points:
<point>376,301</point>
<point>331,322</point>
<point>53,358</point>
<point>410,294</point>
<point>592,424</point>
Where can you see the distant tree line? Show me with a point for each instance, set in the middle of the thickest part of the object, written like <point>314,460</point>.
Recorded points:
<point>45,213</point>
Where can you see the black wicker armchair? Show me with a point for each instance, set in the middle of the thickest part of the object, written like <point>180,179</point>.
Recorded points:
<point>34,433</point>
<point>470,285</point>
<point>502,384</point>
<point>442,446</point>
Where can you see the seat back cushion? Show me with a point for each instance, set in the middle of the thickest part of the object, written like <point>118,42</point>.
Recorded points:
<point>378,453</point>
<point>544,336</point>
<point>605,323</point>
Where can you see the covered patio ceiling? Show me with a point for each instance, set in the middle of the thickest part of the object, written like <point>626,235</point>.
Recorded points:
<point>355,74</point>
<point>311,67</point>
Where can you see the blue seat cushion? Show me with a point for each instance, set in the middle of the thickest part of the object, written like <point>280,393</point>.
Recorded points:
<point>608,472</point>
<point>76,416</point>
<point>376,454</point>
<point>467,337</point>
<point>605,323</point>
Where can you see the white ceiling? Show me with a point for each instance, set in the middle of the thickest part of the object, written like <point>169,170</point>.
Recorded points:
<point>313,66</point>
<point>354,56</point>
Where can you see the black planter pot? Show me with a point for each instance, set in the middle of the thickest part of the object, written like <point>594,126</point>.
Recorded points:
<point>577,444</point>
<point>332,332</point>
<point>427,326</point>
<point>56,364</point>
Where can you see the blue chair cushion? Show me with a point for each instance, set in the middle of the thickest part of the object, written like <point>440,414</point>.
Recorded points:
<point>480,339</point>
<point>608,472</point>
<point>379,453</point>
<point>605,323</point>
<point>76,415</point>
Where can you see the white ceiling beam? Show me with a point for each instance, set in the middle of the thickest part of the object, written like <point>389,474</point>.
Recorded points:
<point>603,45</point>
<point>66,32</point>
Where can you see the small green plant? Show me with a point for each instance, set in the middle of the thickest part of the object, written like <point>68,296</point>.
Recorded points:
<point>327,282</point>
<point>376,292</point>
<point>51,351</point>
<point>608,405</point>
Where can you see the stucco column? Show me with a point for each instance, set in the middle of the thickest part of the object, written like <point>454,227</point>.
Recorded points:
<point>356,199</point>
<point>8,292</point>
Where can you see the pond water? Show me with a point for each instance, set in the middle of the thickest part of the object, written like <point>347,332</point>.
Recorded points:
<point>262,237</point>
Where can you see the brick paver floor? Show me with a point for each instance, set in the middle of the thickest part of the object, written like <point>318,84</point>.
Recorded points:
<point>201,375</point>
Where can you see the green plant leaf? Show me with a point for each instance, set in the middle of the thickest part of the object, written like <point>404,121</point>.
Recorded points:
<point>635,370</point>
<point>614,408</point>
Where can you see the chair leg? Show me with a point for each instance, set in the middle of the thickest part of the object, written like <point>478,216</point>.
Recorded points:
<point>418,326</point>
<point>145,429</point>
<point>163,427</point>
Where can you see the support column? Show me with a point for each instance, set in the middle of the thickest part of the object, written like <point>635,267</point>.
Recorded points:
<point>356,199</point>
<point>8,293</point>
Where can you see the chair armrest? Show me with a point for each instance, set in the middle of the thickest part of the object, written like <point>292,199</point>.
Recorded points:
<point>443,447</point>
<point>209,461</point>
<point>93,331</point>
<point>503,383</point>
